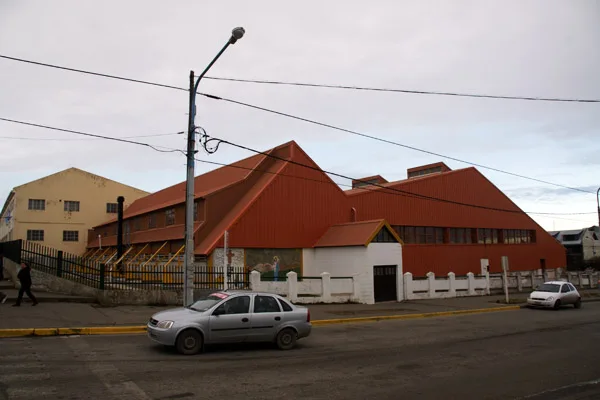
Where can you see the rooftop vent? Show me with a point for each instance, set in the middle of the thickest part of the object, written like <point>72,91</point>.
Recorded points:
<point>427,170</point>
<point>371,180</point>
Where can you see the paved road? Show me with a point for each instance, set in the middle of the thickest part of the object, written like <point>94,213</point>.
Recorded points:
<point>504,355</point>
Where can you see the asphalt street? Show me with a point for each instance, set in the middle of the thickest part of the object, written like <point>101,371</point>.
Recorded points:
<point>507,355</point>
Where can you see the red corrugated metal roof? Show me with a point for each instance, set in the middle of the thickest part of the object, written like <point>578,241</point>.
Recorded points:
<point>204,185</point>
<point>351,234</point>
<point>173,232</point>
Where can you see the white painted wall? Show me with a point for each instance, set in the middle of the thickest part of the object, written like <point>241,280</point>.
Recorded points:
<point>358,262</point>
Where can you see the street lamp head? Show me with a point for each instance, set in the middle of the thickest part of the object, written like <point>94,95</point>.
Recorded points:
<point>236,34</point>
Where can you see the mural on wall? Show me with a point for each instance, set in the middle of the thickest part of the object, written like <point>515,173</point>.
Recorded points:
<point>274,264</point>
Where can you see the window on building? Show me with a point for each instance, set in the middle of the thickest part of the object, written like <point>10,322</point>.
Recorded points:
<point>137,224</point>
<point>70,236</point>
<point>532,236</point>
<point>195,211</point>
<point>112,208</point>
<point>37,204</point>
<point>71,205</point>
<point>35,235</point>
<point>459,235</point>
<point>170,216</point>
<point>420,235</point>
<point>152,221</point>
<point>439,235</point>
<point>384,236</point>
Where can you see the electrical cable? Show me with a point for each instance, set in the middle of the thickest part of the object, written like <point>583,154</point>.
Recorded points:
<point>155,148</point>
<point>297,118</point>
<point>386,189</point>
<point>65,139</point>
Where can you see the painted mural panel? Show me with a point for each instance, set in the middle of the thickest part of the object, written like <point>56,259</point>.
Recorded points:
<point>274,264</point>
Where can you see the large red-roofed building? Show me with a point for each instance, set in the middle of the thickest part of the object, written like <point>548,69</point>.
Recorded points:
<point>272,204</point>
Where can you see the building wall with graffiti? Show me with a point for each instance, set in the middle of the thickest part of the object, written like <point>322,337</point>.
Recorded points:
<point>274,264</point>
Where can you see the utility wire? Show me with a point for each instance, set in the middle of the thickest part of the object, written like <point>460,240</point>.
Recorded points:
<point>65,139</point>
<point>330,182</point>
<point>156,148</point>
<point>327,86</point>
<point>167,150</point>
<point>373,89</point>
<point>297,118</point>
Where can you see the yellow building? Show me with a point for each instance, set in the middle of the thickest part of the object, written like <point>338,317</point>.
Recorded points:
<point>58,210</point>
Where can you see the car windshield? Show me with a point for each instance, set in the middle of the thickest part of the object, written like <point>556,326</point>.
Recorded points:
<point>206,302</point>
<point>548,287</point>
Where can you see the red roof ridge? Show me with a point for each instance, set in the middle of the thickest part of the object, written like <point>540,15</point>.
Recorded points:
<point>370,221</point>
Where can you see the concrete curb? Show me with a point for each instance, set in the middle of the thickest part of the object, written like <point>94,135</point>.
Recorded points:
<point>139,329</point>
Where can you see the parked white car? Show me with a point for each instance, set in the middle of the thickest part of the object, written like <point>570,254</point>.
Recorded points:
<point>554,294</point>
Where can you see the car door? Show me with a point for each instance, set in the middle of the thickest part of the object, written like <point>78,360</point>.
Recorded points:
<point>230,321</point>
<point>266,318</point>
<point>564,294</point>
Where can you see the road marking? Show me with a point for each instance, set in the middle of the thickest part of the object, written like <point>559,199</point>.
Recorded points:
<point>117,383</point>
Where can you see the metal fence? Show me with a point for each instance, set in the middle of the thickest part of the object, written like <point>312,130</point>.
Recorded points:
<point>131,276</point>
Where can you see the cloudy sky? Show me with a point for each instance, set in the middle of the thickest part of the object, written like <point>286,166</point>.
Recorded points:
<point>542,48</point>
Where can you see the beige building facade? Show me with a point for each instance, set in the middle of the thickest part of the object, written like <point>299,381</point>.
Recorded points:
<point>58,210</point>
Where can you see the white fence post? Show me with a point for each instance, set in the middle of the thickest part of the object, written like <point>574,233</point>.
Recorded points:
<point>292,281</point>
<point>408,286</point>
<point>519,282</point>
<point>431,286</point>
<point>471,279</point>
<point>451,284</point>
<point>325,287</point>
<point>580,276</point>
<point>255,281</point>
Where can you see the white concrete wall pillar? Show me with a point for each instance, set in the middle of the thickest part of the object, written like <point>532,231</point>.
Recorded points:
<point>471,280</point>
<point>399,284</point>
<point>485,265</point>
<point>519,282</point>
<point>356,288</point>
<point>580,277</point>
<point>325,287</point>
<point>532,274</point>
<point>255,281</point>
<point>292,281</point>
<point>451,284</point>
<point>408,285</point>
<point>431,285</point>
<point>488,286</point>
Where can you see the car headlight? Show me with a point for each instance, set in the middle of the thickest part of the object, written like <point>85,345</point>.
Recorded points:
<point>550,298</point>
<point>165,324</point>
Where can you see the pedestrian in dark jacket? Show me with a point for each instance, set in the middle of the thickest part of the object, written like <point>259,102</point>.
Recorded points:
<point>24,276</point>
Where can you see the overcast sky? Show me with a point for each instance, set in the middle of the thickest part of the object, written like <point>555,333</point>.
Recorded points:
<point>544,48</point>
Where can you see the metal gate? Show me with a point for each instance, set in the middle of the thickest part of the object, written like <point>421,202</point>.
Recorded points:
<point>385,282</point>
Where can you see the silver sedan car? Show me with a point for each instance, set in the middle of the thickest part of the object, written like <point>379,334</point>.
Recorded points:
<point>231,317</point>
<point>554,294</point>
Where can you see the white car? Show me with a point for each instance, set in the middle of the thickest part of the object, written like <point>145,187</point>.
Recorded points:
<point>554,294</point>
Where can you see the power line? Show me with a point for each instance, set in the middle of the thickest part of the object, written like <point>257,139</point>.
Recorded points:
<point>300,119</point>
<point>155,148</point>
<point>167,150</point>
<point>386,189</point>
<point>65,139</point>
<point>373,89</point>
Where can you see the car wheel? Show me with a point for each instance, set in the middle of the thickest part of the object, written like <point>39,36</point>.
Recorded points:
<point>557,304</point>
<point>578,303</point>
<point>189,342</point>
<point>286,339</point>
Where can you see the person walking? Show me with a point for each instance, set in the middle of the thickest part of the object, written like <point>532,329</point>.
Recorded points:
<point>3,296</point>
<point>24,276</point>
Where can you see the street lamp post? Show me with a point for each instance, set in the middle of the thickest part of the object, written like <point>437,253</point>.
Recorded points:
<point>598,204</point>
<point>188,290</point>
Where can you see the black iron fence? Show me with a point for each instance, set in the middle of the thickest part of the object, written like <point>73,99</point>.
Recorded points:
<point>131,276</point>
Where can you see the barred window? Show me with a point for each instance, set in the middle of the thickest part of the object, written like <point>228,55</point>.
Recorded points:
<point>35,235</point>
<point>70,236</point>
<point>72,206</point>
<point>111,208</point>
<point>37,204</point>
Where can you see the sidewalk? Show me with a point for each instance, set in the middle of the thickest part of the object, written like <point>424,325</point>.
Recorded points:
<point>67,315</point>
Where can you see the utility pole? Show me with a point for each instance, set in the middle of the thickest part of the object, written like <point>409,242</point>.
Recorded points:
<point>505,277</point>
<point>225,260</point>
<point>188,272</point>
<point>598,204</point>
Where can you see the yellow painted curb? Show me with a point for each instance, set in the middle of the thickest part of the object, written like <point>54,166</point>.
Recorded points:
<point>411,316</point>
<point>138,329</point>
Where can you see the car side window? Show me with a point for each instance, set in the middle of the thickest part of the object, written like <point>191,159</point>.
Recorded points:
<point>285,305</point>
<point>265,304</point>
<point>564,289</point>
<point>237,305</point>
<point>571,287</point>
